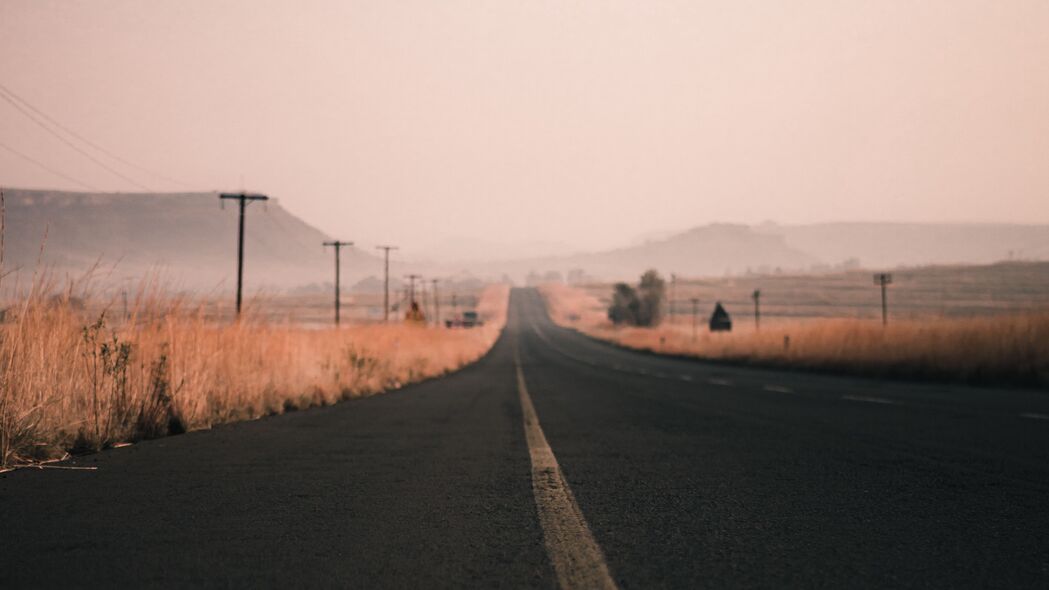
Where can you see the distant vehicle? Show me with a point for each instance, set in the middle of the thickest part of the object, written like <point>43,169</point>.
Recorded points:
<point>468,319</point>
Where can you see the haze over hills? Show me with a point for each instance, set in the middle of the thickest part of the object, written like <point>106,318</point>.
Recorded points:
<point>466,250</point>
<point>719,249</point>
<point>707,250</point>
<point>879,244</point>
<point>190,238</point>
<point>192,241</point>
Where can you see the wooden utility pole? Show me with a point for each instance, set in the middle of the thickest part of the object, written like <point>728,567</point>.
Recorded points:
<point>884,279</point>
<point>756,296</point>
<point>423,305</point>
<point>337,244</point>
<point>695,316</point>
<point>411,287</point>
<point>386,282</point>
<point>243,199</point>
<point>436,305</point>
<point>673,290</point>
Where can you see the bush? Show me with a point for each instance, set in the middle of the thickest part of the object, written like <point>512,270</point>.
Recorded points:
<point>625,306</point>
<point>638,307</point>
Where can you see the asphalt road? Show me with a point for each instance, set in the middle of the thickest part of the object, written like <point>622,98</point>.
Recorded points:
<point>653,472</point>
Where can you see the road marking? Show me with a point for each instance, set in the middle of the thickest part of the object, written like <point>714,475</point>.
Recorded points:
<point>778,389</point>
<point>1034,416</point>
<point>685,377</point>
<point>722,382</point>
<point>872,400</point>
<point>575,555</point>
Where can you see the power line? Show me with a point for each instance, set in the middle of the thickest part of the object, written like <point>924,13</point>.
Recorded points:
<point>28,105</point>
<point>72,145</point>
<point>46,167</point>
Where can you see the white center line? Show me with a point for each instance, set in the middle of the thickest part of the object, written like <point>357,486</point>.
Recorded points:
<point>722,382</point>
<point>685,377</point>
<point>872,400</point>
<point>1034,416</point>
<point>575,555</point>
<point>778,389</point>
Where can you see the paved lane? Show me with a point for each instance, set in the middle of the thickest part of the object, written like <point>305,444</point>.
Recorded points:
<point>698,474</point>
<point>681,474</point>
<point>429,486</point>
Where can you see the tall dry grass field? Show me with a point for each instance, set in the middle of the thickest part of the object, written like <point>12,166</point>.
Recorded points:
<point>958,291</point>
<point>1000,349</point>
<point>77,379</point>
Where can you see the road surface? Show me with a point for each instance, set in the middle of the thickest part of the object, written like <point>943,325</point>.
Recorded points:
<point>557,460</point>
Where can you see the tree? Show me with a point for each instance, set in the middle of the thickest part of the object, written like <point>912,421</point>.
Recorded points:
<point>625,305</point>
<point>651,292</point>
<point>638,307</point>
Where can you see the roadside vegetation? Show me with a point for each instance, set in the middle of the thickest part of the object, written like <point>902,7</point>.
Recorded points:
<point>79,380</point>
<point>641,306</point>
<point>1010,348</point>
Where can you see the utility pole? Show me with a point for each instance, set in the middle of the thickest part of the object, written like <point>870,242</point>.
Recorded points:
<point>423,305</point>
<point>756,296</point>
<point>436,305</point>
<point>411,287</point>
<point>243,199</point>
<point>386,282</point>
<point>673,289</point>
<point>695,315</point>
<point>884,279</point>
<point>338,245</point>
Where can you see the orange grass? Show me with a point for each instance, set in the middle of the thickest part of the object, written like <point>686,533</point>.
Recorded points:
<point>1003,349</point>
<point>72,380</point>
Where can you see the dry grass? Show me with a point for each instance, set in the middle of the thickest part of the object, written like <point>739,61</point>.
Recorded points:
<point>72,379</point>
<point>916,293</point>
<point>1003,349</point>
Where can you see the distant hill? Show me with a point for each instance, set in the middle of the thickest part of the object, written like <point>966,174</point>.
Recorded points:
<point>191,240</point>
<point>702,251</point>
<point>913,244</point>
<point>720,249</point>
<point>189,237</point>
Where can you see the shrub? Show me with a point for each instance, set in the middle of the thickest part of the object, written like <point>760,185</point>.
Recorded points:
<point>638,307</point>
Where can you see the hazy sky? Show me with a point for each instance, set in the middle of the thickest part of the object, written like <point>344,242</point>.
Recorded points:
<point>581,122</point>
